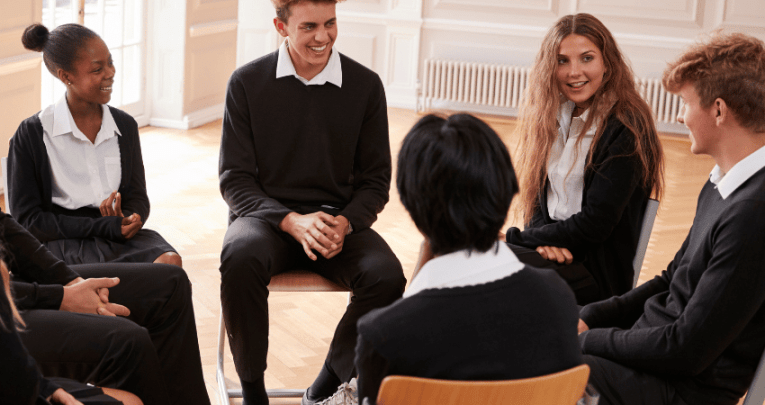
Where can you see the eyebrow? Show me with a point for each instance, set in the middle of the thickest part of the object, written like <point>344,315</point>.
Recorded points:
<point>312,24</point>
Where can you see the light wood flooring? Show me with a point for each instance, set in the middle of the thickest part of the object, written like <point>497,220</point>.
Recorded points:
<point>187,209</point>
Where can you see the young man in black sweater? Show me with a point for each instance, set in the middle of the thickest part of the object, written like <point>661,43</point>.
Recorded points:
<point>305,169</point>
<point>695,334</point>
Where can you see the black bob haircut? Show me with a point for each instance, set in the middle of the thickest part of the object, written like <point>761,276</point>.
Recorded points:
<point>456,180</point>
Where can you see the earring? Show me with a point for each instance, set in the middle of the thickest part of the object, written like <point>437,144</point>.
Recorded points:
<point>69,84</point>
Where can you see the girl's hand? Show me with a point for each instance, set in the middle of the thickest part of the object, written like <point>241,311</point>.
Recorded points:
<point>62,397</point>
<point>112,205</point>
<point>131,225</point>
<point>556,254</point>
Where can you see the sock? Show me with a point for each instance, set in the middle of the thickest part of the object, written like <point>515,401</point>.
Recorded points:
<point>325,385</point>
<point>254,392</point>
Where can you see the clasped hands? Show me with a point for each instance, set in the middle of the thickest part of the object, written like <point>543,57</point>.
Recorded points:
<point>317,231</point>
<point>112,207</point>
<point>91,296</point>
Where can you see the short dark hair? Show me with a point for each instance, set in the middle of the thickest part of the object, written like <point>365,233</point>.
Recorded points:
<point>456,180</point>
<point>60,47</point>
<point>284,7</point>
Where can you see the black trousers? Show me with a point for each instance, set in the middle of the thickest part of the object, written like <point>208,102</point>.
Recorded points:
<point>154,353</point>
<point>577,276</point>
<point>620,385</point>
<point>253,252</point>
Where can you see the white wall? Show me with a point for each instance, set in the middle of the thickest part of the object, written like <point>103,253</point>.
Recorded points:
<point>394,37</point>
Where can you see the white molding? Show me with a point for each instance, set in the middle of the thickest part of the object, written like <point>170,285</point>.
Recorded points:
<point>215,27</point>
<point>378,19</point>
<point>19,63</point>
<point>192,120</point>
<point>480,27</point>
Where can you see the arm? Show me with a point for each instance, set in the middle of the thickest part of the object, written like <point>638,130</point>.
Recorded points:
<point>29,200</point>
<point>134,198</point>
<point>237,168</point>
<point>372,164</point>
<point>615,178</point>
<point>725,299</point>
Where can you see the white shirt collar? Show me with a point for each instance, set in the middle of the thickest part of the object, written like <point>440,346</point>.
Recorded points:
<point>565,119</point>
<point>458,269</point>
<point>331,73</point>
<point>727,183</point>
<point>63,123</point>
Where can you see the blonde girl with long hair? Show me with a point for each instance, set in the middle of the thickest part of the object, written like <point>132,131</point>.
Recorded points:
<point>589,159</point>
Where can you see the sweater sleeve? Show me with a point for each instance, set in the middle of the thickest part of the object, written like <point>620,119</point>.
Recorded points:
<point>372,368</point>
<point>372,164</point>
<point>237,168</point>
<point>27,166</point>
<point>726,298</point>
<point>135,198</point>
<point>41,274</point>
<point>615,178</point>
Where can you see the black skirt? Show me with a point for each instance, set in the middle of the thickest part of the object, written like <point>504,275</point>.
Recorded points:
<point>87,394</point>
<point>145,247</point>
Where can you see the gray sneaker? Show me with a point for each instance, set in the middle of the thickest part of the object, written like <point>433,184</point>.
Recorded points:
<point>347,394</point>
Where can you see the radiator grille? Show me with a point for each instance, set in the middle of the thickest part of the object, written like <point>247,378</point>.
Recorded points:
<point>498,89</point>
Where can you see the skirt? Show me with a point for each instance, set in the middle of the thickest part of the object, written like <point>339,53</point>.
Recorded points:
<point>87,394</point>
<point>145,247</point>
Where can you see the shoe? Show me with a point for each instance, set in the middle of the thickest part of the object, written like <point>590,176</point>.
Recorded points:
<point>309,401</point>
<point>347,394</point>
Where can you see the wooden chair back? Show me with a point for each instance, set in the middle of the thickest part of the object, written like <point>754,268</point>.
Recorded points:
<point>562,388</point>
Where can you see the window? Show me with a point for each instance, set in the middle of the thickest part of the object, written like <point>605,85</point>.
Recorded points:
<point>121,25</point>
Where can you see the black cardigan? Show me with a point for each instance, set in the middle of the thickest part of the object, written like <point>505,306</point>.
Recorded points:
<point>290,147</point>
<point>30,177</point>
<point>605,233</point>
<point>701,323</point>
<point>520,326</point>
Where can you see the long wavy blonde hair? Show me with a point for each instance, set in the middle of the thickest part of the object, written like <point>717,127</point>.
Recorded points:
<point>617,96</point>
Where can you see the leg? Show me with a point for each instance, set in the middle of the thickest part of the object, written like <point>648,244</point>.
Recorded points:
<point>102,350</point>
<point>618,384</point>
<point>159,299</point>
<point>170,258</point>
<point>369,267</point>
<point>252,252</point>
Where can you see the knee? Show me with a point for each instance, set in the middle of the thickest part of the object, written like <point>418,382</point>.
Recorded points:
<point>170,258</point>
<point>385,277</point>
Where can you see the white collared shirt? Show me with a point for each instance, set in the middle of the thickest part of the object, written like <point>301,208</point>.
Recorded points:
<point>83,173</point>
<point>331,73</point>
<point>727,183</point>
<point>458,269</point>
<point>565,168</point>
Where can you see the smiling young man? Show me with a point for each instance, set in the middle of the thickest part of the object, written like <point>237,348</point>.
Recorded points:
<point>305,168</point>
<point>695,334</point>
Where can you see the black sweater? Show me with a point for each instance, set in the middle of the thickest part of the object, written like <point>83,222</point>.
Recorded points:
<point>701,323</point>
<point>605,233</point>
<point>286,145</point>
<point>520,326</point>
<point>30,177</point>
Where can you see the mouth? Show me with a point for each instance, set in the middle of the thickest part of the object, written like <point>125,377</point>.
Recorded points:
<point>106,88</point>
<point>577,85</point>
<point>318,49</point>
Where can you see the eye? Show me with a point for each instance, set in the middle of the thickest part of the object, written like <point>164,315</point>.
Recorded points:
<point>562,61</point>
<point>330,24</point>
<point>97,70</point>
<point>587,58</point>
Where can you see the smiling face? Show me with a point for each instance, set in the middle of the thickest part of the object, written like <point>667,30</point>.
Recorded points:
<point>311,30</point>
<point>580,69</point>
<point>700,121</point>
<point>92,74</point>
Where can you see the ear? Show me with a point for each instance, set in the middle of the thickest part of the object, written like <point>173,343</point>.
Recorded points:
<point>720,109</point>
<point>281,27</point>
<point>63,76</point>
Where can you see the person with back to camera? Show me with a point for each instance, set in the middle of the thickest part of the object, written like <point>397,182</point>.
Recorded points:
<point>589,159</point>
<point>695,333</point>
<point>474,311</point>
<point>305,169</point>
<point>75,172</point>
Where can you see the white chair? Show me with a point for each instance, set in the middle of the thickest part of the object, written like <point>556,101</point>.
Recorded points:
<point>645,234</point>
<point>290,281</point>
<point>4,167</point>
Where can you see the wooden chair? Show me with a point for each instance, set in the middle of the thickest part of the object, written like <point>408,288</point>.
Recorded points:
<point>4,167</point>
<point>290,281</point>
<point>645,234</point>
<point>562,388</point>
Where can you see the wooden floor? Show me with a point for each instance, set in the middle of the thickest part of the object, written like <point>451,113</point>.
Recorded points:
<point>187,209</point>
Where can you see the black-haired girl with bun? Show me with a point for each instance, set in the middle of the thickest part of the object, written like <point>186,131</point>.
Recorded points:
<point>75,173</point>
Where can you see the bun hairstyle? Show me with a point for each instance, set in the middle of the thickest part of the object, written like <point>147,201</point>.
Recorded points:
<point>60,47</point>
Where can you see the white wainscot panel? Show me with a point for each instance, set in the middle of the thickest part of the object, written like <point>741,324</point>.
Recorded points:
<point>168,88</point>
<point>684,13</point>
<point>748,13</point>
<point>513,49</point>
<point>209,72</point>
<point>507,5</point>
<point>255,43</point>
<point>359,47</point>
<point>402,63</point>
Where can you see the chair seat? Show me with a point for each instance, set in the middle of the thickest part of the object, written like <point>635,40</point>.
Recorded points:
<point>302,281</point>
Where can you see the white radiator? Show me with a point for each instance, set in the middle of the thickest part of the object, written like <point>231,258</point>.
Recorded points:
<point>498,89</point>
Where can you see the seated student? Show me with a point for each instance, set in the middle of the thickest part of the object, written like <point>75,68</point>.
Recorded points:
<point>153,352</point>
<point>590,158</point>
<point>473,312</point>
<point>75,172</point>
<point>21,382</point>
<point>695,334</point>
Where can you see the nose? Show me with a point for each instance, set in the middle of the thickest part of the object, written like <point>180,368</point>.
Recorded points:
<point>681,114</point>
<point>321,35</point>
<point>574,69</point>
